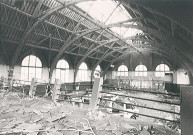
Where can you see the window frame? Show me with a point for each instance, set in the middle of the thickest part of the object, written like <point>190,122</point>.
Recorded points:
<point>63,70</point>
<point>159,71</point>
<point>82,74</point>
<point>27,68</point>
<point>141,70</point>
<point>122,70</point>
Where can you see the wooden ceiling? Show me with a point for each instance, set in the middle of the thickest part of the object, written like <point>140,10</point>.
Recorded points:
<point>59,29</point>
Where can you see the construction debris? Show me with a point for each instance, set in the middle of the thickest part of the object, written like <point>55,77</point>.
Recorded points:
<point>39,116</point>
<point>96,115</point>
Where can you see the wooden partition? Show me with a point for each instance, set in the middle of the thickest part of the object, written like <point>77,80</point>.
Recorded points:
<point>78,85</point>
<point>186,110</point>
<point>97,88</point>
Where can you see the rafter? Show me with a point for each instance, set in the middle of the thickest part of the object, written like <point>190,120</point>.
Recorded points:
<point>126,53</point>
<point>3,48</point>
<point>117,24</point>
<point>37,9</point>
<point>166,35</point>
<point>65,46</point>
<point>174,23</point>
<point>46,48</point>
<point>111,13</point>
<point>185,38</point>
<point>111,41</point>
<point>97,23</point>
<point>135,12</point>
<point>158,13</point>
<point>29,31</point>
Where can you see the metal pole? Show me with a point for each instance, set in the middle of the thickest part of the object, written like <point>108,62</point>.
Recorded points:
<point>142,114</point>
<point>169,94</point>
<point>141,106</point>
<point>140,98</point>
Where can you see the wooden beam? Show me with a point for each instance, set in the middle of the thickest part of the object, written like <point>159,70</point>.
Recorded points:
<point>30,30</point>
<point>173,29</point>
<point>37,9</point>
<point>4,50</point>
<point>117,24</point>
<point>66,45</point>
<point>98,24</point>
<point>158,13</point>
<point>105,43</point>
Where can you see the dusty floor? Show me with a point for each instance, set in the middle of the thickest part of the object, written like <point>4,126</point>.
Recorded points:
<point>43,117</point>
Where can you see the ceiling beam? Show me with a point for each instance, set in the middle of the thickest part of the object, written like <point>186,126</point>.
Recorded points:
<point>103,44</point>
<point>111,13</point>
<point>117,24</point>
<point>4,49</point>
<point>66,45</point>
<point>126,53</point>
<point>41,19</point>
<point>173,23</point>
<point>185,38</point>
<point>97,23</point>
<point>46,48</point>
<point>158,13</point>
<point>28,32</point>
<point>37,9</point>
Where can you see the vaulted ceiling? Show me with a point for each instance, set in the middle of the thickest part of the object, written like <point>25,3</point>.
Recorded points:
<point>59,29</point>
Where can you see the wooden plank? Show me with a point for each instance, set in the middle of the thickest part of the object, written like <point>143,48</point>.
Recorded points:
<point>186,109</point>
<point>97,88</point>
<point>33,86</point>
<point>56,90</point>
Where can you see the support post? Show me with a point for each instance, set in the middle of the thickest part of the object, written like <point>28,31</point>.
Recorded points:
<point>97,88</point>
<point>32,89</point>
<point>125,109</point>
<point>186,110</point>
<point>56,90</point>
<point>110,105</point>
<point>10,79</point>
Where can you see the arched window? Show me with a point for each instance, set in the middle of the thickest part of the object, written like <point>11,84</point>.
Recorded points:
<point>31,67</point>
<point>122,70</point>
<point>161,69</point>
<point>97,72</point>
<point>141,70</point>
<point>62,71</point>
<point>83,73</point>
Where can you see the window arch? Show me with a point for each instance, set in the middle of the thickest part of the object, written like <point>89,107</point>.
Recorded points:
<point>83,73</point>
<point>62,70</point>
<point>122,70</point>
<point>161,69</point>
<point>97,72</point>
<point>141,70</point>
<point>31,67</point>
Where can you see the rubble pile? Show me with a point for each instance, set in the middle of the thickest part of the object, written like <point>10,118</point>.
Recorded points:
<point>41,116</point>
<point>128,104</point>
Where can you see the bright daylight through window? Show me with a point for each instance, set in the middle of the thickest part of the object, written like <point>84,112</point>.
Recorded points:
<point>110,12</point>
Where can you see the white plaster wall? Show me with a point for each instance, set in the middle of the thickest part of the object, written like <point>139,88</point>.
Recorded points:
<point>53,76</point>
<point>45,75</point>
<point>17,73</point>
<point>4,71</point>
<point>71,75</point>
<point>182,77</point>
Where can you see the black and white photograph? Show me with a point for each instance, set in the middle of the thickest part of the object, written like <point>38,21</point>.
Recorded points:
<point>96,67</point>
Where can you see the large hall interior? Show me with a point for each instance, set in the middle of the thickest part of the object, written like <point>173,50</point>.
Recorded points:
<point>91,67</point>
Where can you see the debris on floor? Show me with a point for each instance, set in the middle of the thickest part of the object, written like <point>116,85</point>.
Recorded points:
<point>41,116</point>
<point>96,115</point>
